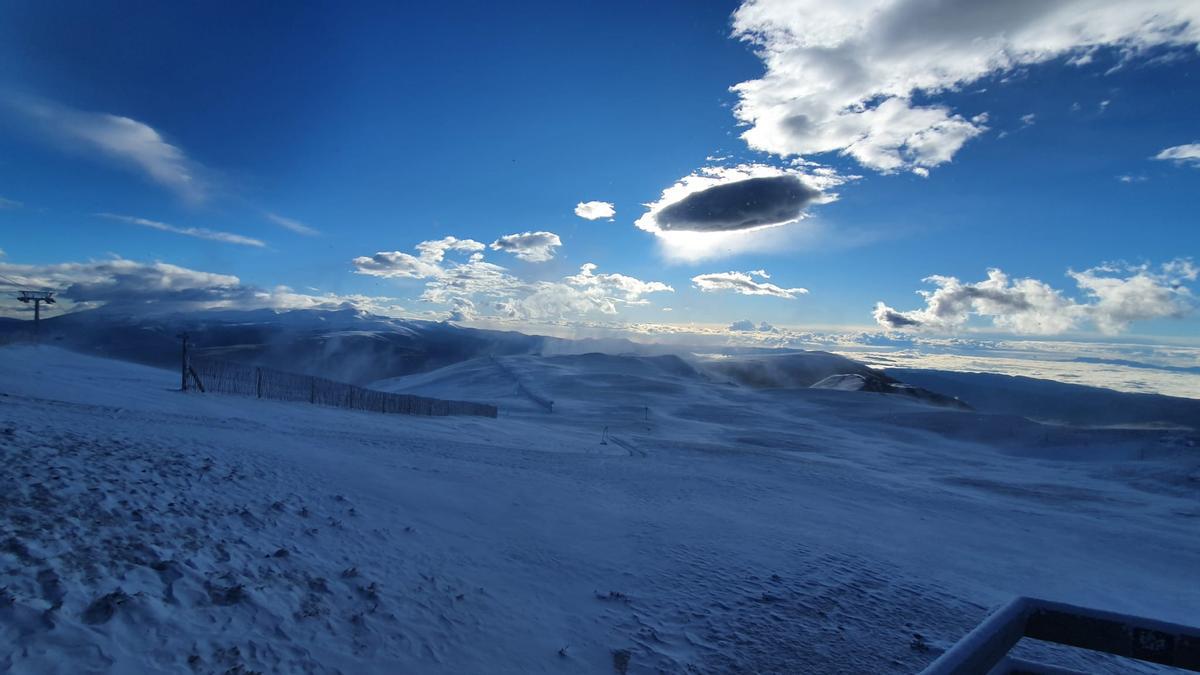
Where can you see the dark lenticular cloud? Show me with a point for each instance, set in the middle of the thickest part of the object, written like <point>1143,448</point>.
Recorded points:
<point>754,202</point>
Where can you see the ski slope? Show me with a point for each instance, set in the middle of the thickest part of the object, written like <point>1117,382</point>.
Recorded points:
<point>724,529</point>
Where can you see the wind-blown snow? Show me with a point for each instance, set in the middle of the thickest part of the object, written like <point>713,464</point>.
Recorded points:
<point>721,529</point>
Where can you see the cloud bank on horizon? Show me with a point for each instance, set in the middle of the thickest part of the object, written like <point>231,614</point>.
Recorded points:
<point>455,274</point>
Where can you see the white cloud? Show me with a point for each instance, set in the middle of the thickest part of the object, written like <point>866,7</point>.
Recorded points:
<point>748,326</point>
<point>293,225</point>
<point>1023,306</point>
<point>462,309</point>
<point>434,250</point>
<point>1182,154</point>
<point>9,204</point>
<point>1123,294</point>
<point>624,288</point>
<point>475,277</point>
<point>122,139</point>
<point>475,288</point>
<point>842,77</point>
<point>529,246</point>
<point>284,298</point>
<point>743,283</point>
<point>1114,297</point>
<point>579,295</point>
<point>446,281</point>
<point>197,232</point>
<point>397,264</point>
<point>595,210</point>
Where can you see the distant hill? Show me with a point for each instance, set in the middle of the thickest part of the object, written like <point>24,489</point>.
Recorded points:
<point>785,369</point>
<point>346,345</point>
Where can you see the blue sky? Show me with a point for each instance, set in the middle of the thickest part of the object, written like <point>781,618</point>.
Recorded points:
<point>381,126</point>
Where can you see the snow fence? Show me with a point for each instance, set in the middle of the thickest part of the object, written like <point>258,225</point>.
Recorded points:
<point>236,378</point>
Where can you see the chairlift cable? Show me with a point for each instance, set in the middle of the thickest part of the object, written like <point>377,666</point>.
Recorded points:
<point>11,282</point>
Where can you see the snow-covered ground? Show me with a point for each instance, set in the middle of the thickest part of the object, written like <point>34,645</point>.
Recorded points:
<point>719,528</point>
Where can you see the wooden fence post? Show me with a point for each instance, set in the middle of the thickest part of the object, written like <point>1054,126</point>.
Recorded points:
<point>183,363</point>
<point>258,383</point>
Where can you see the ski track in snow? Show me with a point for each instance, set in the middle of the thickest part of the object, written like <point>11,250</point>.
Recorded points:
<point>146,530</point>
